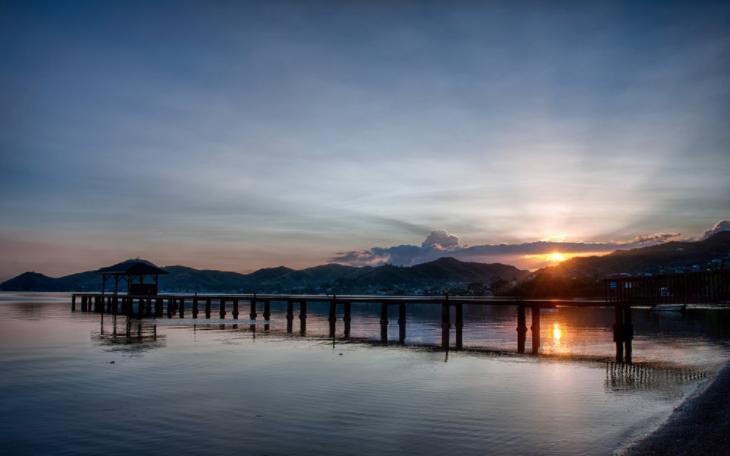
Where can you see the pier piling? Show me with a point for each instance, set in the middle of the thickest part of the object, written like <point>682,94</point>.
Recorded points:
<point>521,328</point>
<point>401,323</point>
<point>347,318</point>
<point>267,314</point>
<point>302,317</point>
<point>459,316</point>
<point>445,325</point>
<point>535,329</point>
<point>252,312</point>
<point>289,316</point>
<point>333,316</point>
<point>384,322</point>
<point>628,334</point>
<point>618,333</point>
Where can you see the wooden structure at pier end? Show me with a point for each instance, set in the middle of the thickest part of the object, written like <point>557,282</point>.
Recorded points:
<point>622,293</point>
<point>134,273</point>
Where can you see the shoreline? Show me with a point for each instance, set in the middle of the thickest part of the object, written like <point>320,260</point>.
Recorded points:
<point>700,425</point>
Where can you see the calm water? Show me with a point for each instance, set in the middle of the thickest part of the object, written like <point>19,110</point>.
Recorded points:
<point>73,383</point>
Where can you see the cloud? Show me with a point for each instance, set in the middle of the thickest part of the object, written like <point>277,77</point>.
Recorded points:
<point>719,227</point>
<point>440,240</point>
<point>441,243</point>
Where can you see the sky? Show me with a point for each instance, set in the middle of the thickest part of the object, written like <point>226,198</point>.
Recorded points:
<point>240,135</point>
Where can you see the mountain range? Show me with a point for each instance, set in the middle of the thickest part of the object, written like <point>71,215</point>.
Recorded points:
<point>580,276</point>
<point>435,277</point>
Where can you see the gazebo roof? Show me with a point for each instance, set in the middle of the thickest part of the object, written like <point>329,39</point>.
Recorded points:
<point>133,267</point>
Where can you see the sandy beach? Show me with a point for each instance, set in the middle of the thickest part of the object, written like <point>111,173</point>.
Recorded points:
<point>700,426</point>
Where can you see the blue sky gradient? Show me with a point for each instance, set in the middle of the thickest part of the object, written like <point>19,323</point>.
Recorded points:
<point>238,135</point>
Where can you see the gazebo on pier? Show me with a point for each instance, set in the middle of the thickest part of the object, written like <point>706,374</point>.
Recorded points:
<point>134,272</point>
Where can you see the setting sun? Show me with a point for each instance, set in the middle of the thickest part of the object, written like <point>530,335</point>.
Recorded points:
<point>557,257</point>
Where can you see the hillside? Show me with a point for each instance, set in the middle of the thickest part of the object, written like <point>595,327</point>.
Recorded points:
<point>582,276</point>
<point>445,274</point>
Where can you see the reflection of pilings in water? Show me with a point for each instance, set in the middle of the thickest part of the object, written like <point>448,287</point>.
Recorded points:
<point>621,376</point>
<point>136,333</point>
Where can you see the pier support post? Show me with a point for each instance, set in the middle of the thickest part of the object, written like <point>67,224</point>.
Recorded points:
<point>158,307</point>
<point>148,308</point>
<point>445,325</point>
<point>535,329</point>
<point>182,308</point>
<point>333,317</point>
<point>252,312</point>
<point>170,307</point>
<point>628,334</point>
<point>222,308</point>
<point>347,318</point>
<point>195,306</point>
<point>141,307</point>
<point>235,308</point>
<point>459,316</point>
<point>289,316</point>
<point>73,303</point>
<point>384,323</point>
<point>521,328</point>
<point>618,333</point>
<point>207,308</point>
<point>303,317</point>
<point>402,323</point>
<point>267,314</point>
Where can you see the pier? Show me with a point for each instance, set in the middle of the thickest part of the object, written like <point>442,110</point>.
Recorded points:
<point>452,310</point>
<point>622,293</point>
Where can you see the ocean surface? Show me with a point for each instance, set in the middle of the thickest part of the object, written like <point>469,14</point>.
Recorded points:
<point>85,384</point>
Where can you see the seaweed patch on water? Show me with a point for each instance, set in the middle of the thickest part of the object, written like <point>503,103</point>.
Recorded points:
<point>645,376</point>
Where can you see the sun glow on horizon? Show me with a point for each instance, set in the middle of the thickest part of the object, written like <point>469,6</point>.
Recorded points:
<point>556,257</point>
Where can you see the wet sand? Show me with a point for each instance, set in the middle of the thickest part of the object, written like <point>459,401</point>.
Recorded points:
<point>700,426</point>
